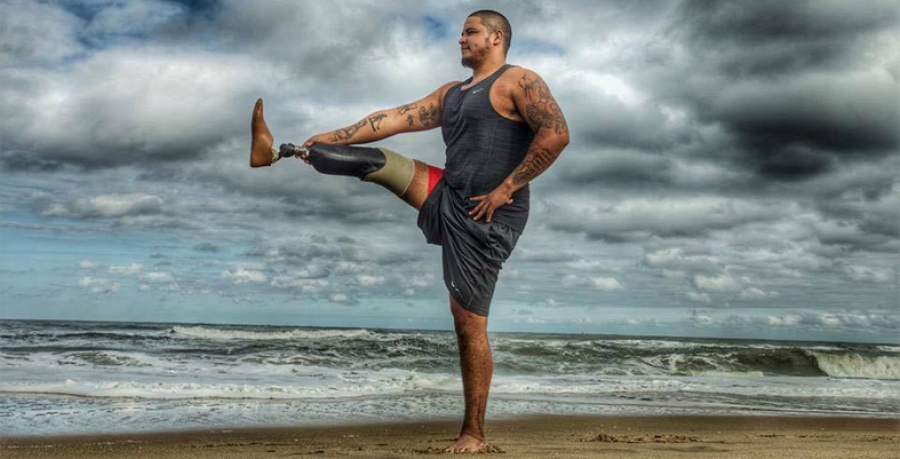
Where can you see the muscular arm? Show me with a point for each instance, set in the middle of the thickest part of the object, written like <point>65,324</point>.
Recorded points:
<point>533,100</point>
<point>540,110</point>
<point>420,115</point>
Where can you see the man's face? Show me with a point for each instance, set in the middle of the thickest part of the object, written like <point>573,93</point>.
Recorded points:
<point>474,43</point>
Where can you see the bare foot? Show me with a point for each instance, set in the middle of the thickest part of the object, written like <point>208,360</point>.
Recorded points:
<point>261,142</point>
<point>467,444</point>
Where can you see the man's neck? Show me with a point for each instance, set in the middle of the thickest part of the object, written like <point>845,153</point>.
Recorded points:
<point>487,68</point>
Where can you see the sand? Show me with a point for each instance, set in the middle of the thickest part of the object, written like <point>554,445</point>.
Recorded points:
<point>542,437</point>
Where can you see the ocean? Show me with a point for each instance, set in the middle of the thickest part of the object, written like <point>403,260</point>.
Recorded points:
<point>60,378</point>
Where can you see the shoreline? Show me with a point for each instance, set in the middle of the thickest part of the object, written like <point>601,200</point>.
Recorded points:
<point>538,436</point>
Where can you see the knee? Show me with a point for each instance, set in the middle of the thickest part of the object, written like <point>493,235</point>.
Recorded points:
<point>466,323</point>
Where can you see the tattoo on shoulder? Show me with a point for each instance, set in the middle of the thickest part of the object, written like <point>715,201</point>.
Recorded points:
<point>427,116</point>
<point>541,110</point>
<point>375,121</point>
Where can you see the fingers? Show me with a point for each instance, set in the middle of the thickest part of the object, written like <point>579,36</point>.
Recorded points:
<point>485,207</point>
<point>478,211</point>
<point>482,209</point>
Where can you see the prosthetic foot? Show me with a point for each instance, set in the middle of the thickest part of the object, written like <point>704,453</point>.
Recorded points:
<point>262,152</point>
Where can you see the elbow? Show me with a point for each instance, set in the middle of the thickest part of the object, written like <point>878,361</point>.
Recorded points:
<point>562,140</point>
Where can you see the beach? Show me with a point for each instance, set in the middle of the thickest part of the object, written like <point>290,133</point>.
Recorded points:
<point>147,390</point>
<point>541,437</point>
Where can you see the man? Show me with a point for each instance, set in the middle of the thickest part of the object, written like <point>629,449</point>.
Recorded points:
<point>502,128</point>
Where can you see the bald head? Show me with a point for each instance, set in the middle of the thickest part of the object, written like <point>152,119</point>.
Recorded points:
<point>493,22</point>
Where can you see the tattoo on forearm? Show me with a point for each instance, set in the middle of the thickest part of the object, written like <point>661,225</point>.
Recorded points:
<point>375,121</point>
<point>427,115</point>
<point>402,110</point>
<point>410,120</point>
<point>541,110</point>
<point>538,159</point>
<point>347,133</point>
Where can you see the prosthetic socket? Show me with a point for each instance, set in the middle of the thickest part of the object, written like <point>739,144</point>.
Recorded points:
<point>378,165</point>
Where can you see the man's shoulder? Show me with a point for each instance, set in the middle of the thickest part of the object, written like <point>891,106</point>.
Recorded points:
<point>515,77</point>
<point>516,72</point>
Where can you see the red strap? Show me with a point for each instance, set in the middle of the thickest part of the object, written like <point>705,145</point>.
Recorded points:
<point>434,176</point>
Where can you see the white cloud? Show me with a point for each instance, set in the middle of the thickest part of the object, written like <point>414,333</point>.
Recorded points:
<point>241,275</point>
<point>699,297</point>
<point>419,280</point>
<point>701,319</point>
<point>87,264</point>
<point>368,281</point>
<point>871,275</point>
<point>571,280</point>
<point>338,298</point>
<point>304,285</point>
<point>312,271</point>
<point>606,284</point>
<point>723,283</point>
<point>753,293</point>
<point>129,270</point>
<point>593,265</point>
<point>107,206</point>
<point>99,285</point>
<point>156,277</point>
<point>836,321</point>
<point>38,32</point>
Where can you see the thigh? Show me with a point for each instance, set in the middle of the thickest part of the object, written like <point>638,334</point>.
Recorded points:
<point>418,189</point>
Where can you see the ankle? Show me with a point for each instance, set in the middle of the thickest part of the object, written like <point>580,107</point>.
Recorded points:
<point>476,434</point>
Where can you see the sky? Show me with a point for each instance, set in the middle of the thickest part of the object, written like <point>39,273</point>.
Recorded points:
<point>733,171</point>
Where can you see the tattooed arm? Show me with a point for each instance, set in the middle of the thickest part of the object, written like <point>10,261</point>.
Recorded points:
<point>533,101</point>
<point>420,115</point>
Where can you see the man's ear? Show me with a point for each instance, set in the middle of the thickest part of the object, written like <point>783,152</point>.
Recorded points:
<point>498,38</point>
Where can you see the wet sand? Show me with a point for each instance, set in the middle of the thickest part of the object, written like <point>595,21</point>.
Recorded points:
<point>541,437</point>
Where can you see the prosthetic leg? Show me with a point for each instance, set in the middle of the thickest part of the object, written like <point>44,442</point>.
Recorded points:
<point>378,165</point>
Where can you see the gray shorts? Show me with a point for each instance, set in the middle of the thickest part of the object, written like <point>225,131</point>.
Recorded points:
<point>473,252</point>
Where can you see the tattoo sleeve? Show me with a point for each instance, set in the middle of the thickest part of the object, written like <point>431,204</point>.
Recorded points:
<point>541,109</point>
<point>544,116</point>
<point>428,115</point>
<point>345,134</point>
<point>375,121</point>
<point>536,161</point>
<point>402,110</point>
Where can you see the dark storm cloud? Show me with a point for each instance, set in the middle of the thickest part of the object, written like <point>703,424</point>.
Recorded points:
<point>639,220</point>
<point>803,127</point>
<point>125,93</point>
<point>775,37</point>
<point>613,169</point>
<point>800,86</point>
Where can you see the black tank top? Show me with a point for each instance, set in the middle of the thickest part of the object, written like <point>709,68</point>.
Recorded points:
<point>483,147</point>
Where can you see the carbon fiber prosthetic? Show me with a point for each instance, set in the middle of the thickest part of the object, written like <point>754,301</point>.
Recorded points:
<point>377,165</point>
